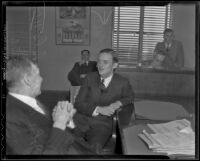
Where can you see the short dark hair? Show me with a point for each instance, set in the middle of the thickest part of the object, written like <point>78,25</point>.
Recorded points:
<point>111,52</point>
<point>16,68</point>
<point>85,51</point>
<point>167,30</point>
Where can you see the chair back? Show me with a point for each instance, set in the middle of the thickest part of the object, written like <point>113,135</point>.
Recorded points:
<point>73,93</point>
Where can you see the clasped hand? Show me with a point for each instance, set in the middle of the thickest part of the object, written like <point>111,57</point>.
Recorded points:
<point>82,75</point>
<point>63,112</point>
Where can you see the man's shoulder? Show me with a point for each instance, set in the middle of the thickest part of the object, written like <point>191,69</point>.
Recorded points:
<point>93,75</point>
<point>77,64</point>
<point>177,42</point>
<point>120,77</point>
<point>13,107</point>
<point>160,43</point>
<point>93,62</point>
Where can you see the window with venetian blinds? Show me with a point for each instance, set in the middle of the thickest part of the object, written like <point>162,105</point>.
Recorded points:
<point>136,30</point>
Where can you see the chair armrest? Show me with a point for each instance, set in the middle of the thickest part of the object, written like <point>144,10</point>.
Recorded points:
<point>126,114</point>
<point>114,135</point>
<point>73,93</point>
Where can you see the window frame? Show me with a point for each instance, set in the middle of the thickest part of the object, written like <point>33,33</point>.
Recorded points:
<point>139,61</point>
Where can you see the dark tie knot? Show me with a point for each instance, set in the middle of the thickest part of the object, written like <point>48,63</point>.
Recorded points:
<point>167,47</point>
<point>102,81</point>
<point>103,87</point>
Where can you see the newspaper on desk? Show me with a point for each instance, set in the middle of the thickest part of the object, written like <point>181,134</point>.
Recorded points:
<point>175,137</point>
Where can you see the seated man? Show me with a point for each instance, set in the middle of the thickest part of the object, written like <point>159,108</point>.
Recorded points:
<point>30,127</point>
<point>169,54</point>
<point>78,73</point>
<point>102,93</point>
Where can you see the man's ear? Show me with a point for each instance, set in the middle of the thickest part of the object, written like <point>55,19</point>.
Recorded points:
<point>26,80</point>
<point>115,65</point>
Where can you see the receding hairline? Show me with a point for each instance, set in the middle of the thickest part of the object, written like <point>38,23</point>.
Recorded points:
<point>17,68</point>
<point>83,51</point>
<point>109,52</point>
<point>168,31</point>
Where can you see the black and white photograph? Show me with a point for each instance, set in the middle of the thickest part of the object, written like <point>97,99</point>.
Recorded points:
<point>100,80</point>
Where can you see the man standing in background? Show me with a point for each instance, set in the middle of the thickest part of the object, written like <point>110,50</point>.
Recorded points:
<point>78,73</point>
<point>169,54</point>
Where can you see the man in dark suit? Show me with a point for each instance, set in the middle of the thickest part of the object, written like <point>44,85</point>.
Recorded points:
<point>30,127</point>
<point>78,73</point>
<point>102,93</point>
<point>169,54</point>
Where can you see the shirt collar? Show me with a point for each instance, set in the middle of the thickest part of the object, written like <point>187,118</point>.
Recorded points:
<point>29,101</point>
<point>107,80</point>
<point>168,45</point>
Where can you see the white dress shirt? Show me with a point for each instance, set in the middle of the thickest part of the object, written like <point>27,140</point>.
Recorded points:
<point>29,101</point>
<point>107,80</point>
<point>168,45</point>
<point>106,83</point>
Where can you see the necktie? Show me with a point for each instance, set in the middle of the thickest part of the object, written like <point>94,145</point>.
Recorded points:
<point>167,48</point>
<point>103,87</point>
<point>102,81</point>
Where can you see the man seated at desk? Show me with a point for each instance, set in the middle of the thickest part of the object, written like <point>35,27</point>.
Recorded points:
<point>169,54</point>
<point>101,94</point>
<point>78,73</point>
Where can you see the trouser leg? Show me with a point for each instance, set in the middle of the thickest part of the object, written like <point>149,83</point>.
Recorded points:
<point>97,136</point>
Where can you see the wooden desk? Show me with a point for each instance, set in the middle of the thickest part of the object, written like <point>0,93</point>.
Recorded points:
<point>139,148</point>
<point>125,120</point>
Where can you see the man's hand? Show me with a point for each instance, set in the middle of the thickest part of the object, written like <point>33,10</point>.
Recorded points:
<point>82,75</point>
<point>116,105</point>
<point>106,110</point>
<point>160,57</point>
<point>62,114</point>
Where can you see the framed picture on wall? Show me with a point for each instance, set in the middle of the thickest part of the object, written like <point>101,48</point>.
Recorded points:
<point>73,25</point>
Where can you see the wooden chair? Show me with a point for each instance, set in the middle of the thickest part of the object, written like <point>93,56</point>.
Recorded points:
<point>109,147</point>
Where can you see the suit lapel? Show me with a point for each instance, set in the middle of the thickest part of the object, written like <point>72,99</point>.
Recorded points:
<point>42,106</point>
<point>173,46</point>
<point>112,82</point>
<point>98,85</point>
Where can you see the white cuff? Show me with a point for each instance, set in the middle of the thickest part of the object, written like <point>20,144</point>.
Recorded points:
<point>71,124</point>
<point>95,113</point>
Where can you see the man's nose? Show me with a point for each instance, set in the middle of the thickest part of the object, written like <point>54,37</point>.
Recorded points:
<point>41,79</point>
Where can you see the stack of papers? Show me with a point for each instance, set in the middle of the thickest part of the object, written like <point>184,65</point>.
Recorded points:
<point>175,137</point>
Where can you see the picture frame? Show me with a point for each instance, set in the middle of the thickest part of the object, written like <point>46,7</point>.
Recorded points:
<point>73,25</point>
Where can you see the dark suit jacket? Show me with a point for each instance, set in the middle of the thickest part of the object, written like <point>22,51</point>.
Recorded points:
<point>91,95</point>
<point>77,70</point>
<point>30,132</point>
<point>174,57</point>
